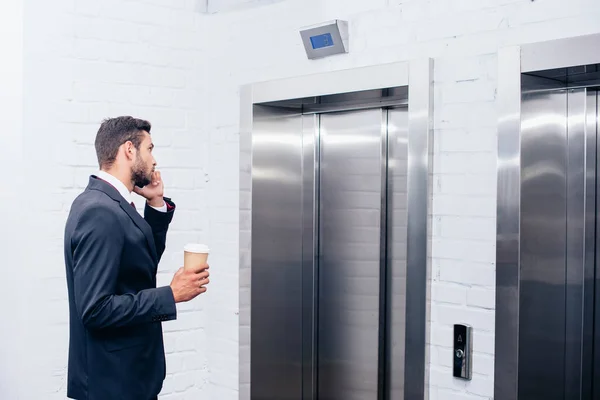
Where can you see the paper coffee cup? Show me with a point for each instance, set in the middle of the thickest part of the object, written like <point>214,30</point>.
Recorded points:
<point>195,256</point>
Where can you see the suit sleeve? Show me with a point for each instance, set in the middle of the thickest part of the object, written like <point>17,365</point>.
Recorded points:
<point>97,247</point>
<point>159,222</point>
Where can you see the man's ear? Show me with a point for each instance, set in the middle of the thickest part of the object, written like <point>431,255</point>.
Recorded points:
<point>129,150</point>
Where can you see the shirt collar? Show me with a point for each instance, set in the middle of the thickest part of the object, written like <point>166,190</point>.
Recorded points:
<point>117,184</point>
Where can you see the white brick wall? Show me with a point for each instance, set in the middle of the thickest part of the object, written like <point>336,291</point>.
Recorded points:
<point>181,69</point>
<point>87,60</point>
<point>215,6</point>
<point>11,117</point>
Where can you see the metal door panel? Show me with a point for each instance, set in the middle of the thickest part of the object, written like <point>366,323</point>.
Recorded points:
<point>362,217</point>
<point>354,166</point>
<point>276,308</point>
<point>542,244</point>
<point>358,201</point>
<point>349,255</point>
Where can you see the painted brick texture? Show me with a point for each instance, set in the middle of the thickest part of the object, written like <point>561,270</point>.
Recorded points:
<point>11,119</point>
<point>166,61</point>
<point>85,61</point>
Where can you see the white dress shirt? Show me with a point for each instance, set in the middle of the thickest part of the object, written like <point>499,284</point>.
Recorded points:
<point>122,189</point>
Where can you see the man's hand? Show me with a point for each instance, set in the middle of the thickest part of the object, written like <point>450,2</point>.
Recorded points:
<point>186,285</point>
<point>153,192</point>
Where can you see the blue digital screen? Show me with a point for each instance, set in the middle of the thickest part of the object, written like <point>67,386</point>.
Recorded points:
<point>320,41</point>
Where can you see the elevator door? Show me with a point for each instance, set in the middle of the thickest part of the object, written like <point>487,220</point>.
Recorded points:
<point>329,222</point>
<point>558,346</point>
<point>362,179</point>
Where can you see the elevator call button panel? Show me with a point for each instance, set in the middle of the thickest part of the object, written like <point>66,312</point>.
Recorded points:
<point>463,349</point>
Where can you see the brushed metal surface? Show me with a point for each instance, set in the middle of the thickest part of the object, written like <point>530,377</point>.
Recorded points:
<point>559,218</point>
<point>526,277</point>
<point>420,122</point>
<point>310,215</point>
<point>575,250</point>
<point>559,53</point>
<point>397,214</point>
<point>596,330</point>
<point>383,358</point>
<point>271,161</point>
<point>543,243</point>
<point>557,244</point>
<point>596,351</point>
<point>507,224</point>
<point>589,246</point>
<point>349,256</point>
<point>333,82</point>
<point>276,293</point>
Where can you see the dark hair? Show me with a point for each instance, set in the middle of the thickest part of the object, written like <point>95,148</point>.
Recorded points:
<point>114,132</point>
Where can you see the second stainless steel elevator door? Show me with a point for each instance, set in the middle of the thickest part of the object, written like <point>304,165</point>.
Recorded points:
<point>557,246</point>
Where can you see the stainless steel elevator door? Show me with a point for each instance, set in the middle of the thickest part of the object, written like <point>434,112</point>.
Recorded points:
<point>363,161</point>
<point>329,237</point>
<point>557,246</point>
<point>349,254</point>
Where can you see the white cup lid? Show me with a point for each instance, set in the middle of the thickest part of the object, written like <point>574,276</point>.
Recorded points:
<point>196,248</point>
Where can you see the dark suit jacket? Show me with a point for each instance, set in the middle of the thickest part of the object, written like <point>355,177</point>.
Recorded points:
<point>111,254</point>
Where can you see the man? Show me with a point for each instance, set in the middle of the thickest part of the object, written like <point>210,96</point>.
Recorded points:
<point>116,348</point>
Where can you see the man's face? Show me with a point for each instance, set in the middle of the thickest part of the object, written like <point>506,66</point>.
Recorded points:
<point>144,164</point>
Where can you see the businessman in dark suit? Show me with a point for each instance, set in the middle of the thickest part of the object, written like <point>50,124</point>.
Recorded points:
<point>112,253</point>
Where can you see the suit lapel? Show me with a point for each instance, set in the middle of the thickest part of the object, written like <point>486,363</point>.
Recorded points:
<point>98,184</point>
<point>142,224</point>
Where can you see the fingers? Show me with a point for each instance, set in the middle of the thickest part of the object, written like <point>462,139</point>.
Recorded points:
<point>156,177</point>
<point>195,281</point>
<point>204,282</point>
<point>203,274</point>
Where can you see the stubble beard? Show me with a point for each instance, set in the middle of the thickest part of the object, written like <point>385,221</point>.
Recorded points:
<point>139,175</point>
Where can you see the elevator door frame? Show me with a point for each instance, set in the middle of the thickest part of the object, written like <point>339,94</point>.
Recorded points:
<point>513,61</point>
<point>417,75</point>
